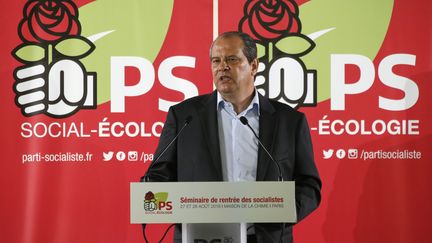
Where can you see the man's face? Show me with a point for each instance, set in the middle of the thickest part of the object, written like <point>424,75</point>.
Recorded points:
<point>233,75</point>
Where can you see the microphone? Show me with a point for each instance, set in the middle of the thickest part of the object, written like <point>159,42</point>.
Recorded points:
<point>245,122</point>
<point>145,178</point>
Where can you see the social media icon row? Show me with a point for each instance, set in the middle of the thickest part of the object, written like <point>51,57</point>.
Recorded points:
<point>340,153</point>
<point>120,156</point>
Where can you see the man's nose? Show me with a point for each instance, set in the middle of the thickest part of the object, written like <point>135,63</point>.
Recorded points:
<point>223,66</point>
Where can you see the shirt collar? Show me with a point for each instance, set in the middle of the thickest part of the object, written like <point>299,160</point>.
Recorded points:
<point>254,105</point>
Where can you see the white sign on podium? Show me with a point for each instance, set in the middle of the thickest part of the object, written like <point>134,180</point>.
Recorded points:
<point>213,202</point>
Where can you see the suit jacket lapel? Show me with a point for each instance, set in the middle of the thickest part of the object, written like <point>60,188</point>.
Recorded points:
<point>208,116</point>
<point>267,126</point>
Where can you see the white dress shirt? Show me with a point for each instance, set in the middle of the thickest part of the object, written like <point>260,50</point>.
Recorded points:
<point>238,145</point>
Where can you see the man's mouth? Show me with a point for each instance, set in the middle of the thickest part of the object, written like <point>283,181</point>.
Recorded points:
<point>224,78</point>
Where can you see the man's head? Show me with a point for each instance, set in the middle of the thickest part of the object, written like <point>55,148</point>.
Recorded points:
<point>234,63</point>
<point>249,46</point>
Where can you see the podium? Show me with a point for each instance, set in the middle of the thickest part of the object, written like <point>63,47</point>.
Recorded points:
<point>210,211</point>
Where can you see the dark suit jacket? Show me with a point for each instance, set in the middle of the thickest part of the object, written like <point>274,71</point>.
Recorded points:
<point>195,156</point>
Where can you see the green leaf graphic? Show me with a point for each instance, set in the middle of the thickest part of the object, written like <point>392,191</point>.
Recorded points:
<point>360,28</point>
<point>139,29</point>
<point>30,53</point>
<point>295,44</point>
<point>260,50</point>
<point>74,47</point>
<point>161,196</point>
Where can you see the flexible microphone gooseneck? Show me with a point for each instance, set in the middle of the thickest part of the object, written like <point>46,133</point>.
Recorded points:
<point>145,178</point>
<point>245,122</point>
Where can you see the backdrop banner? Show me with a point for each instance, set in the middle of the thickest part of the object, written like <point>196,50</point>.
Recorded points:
<point>87,85</point>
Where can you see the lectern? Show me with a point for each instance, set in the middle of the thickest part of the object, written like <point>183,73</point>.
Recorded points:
<point>213,211</point>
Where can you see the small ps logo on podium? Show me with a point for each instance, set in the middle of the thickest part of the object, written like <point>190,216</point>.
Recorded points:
<point>157,201</point>
<point>53,81</point>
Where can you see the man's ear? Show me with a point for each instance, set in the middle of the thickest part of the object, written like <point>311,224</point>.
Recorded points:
<point>254,65</point>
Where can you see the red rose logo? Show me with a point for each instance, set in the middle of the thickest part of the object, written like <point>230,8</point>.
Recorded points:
<point>51,48</point>
<point>270,19</point>
<point>149,196</point>
<point>49,20</point>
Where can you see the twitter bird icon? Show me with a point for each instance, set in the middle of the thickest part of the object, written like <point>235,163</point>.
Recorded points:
<point>107,156</point>
<point>327,154</point>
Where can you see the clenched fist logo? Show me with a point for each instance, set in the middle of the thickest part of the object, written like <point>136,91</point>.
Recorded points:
<point>52,80</point>
<point>276,28</point>
<point>150,202</point>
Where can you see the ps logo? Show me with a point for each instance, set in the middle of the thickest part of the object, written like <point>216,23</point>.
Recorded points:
<point>52,81</point>
<point>282,75</point>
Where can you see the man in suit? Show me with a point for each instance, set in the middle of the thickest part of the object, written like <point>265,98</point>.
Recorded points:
<point>216,146</point>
